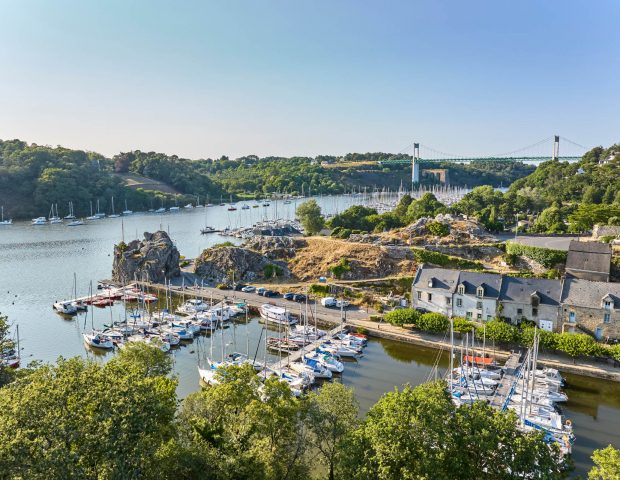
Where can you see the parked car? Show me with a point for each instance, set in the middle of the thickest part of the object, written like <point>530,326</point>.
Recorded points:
<point>260,290</point>
<point>270,293</point>
<point>342,304</point>
<point>421,310</point>
<point>289,296</point>
<point>248,289</point>
<point>328,302</point>
<point>238,287</point>
<point>299,297</point>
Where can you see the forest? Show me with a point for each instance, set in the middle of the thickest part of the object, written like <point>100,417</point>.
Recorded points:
<point>33,177</point>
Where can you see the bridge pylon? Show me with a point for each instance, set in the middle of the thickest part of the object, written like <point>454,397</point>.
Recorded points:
<point>415,164</point>
<point>556,147</point>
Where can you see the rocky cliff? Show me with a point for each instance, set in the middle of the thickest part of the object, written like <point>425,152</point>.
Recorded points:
<point>219,263</point>
<point>152,259</point>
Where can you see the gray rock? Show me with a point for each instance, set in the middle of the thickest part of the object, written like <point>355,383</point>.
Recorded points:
<point>152,259</point>
<point>219,263</point>
<point>275,247</point>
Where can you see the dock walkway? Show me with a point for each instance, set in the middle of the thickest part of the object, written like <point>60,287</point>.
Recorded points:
<point>298,354</point>
<point>508,383</point>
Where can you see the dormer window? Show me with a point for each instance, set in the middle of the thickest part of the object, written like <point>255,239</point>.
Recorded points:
<point>461,289</point>
<point>608,304</point>
<point>430,283</point>
<point>535,300</point>
<point>480,292</point>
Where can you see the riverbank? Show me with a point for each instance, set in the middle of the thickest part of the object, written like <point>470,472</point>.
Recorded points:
<point>360,319</point>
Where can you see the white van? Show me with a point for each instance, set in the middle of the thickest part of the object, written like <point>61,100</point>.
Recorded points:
<point>329,302</point>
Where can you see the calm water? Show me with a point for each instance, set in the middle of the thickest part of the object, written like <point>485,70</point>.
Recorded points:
<point>37,265</point>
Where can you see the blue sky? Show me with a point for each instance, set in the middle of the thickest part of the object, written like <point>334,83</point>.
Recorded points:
<point>206,78</point>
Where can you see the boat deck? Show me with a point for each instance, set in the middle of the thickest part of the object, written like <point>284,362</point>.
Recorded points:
<point>508,383</point>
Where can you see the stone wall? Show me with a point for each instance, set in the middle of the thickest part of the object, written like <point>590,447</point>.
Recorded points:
<point>591,319</point>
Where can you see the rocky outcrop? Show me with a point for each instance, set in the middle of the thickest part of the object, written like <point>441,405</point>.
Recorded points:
<point>275,248</point>
<point>219,263</point>
<point>153,259</point>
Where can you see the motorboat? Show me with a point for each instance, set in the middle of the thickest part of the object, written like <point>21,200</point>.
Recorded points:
<point>80,305</point>
<point>175,209</point>
<point>316,368</point>
<point>193,306</point>
<point>307,330</point>
<point>189,325</point>
<point>327,360</point>
<point>180,332</point>
<point>98,340</point>
<point>66,308</point>
<point>161,210</point>
<point>340,348</point>
<point>188,206</point>
<point>278,315</point>
<point>39,221</point>
<point>245,207</point>
<point>75,223</point>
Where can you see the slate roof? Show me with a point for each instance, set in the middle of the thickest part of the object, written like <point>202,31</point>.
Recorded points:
<point>491,282</point>
<point>443,278</point>
<point>589,256</point>
<point>520,290</point>
<point>585,293</point>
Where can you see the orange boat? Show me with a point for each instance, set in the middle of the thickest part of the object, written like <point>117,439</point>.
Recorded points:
<point>479,360</point>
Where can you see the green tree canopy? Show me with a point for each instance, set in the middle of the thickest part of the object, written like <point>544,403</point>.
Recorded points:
<point>309,214</point>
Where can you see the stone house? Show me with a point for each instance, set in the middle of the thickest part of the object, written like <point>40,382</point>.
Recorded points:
<point>534,299</point>
<point>589,261</point>
<point>592,307</point>
<point>433,289</point>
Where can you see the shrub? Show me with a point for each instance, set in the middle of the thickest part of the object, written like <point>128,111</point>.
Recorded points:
<point>340,268</point>
<point>438,229</point>
<point>272,270</point>
<point>499,331</point>
<point>614,351</point>
<point>436,258</point>
<point>433,322</point>
<point>547,257</point>
<point>223,244</point>
<point>402,316</point>
<point>577,344</point>
<point>319,290</point>
<point>462,325</point>
<point>375,318</point>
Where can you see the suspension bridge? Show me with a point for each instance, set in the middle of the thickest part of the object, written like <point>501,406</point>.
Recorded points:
<point>530,154</point>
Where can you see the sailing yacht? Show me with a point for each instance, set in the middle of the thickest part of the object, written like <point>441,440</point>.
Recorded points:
<point>127,211</point>
<point>71,215</point>
<point>54,218</point>
<point>113,215</point>
<point>2,220</point>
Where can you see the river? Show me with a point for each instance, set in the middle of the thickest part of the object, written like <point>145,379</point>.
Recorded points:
<point>38,263</point>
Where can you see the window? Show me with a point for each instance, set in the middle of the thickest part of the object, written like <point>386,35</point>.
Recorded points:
<point>419,295</point>
<point>430,297</point>
<point>461,289</point>
<point>480,292</point>
<point>430,283</point>
<point>479,316</point>
<point>572,317</point>
<point>448,300</point>
<point>534,312</point>
<point>488,317</point>
<point>519,311</point>
<point>607,305</point>
<point>479,305</point>
<point>468,315</point>
<point>607,318</point>
<point>459,302</point>
<point>535,300</point>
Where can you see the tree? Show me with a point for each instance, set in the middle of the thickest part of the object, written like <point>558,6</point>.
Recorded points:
<point>418,433</point>
<point>122,162</point>
<point>606,464</point>
<point>499,331</point>
<point>309,214</point>
<point>244,429</point>
<point>426,206</point>
<point>402,316</point>
<point>577,344</point>
<point>80,419</point>
<point>6,345</point>
<point>355,218</point>
<point>332,415</point>
<point>433,322</point>
<point>550,220</point>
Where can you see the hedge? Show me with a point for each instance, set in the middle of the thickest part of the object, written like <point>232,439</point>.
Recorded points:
<point>443,260</point>
<point>547,257</point>
<point>402,316</point>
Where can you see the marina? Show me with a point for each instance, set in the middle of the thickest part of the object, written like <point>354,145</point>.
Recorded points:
<point>48,257</point>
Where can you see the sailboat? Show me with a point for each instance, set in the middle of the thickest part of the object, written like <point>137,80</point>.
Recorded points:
<point>92,217</point>
<point>127,211</point>
<point>99,214</point>
<point>54,218</point>
<point>113,215</point>
<point>2,220</point>
<point>71,215</point>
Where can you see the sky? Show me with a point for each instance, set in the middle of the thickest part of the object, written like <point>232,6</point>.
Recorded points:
<point>208,78</point>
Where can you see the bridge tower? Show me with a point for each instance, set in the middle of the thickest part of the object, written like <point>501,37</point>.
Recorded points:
<point>415,164</point>
<point>556,147</point>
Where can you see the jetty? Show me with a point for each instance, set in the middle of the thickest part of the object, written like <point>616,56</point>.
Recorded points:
<point>506,388</point>
<point>298,354</point>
